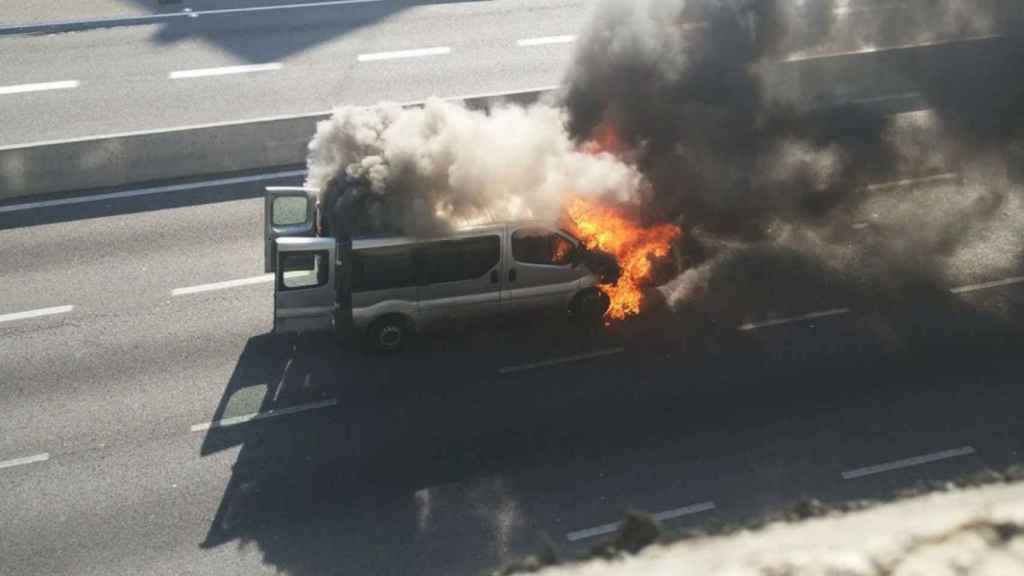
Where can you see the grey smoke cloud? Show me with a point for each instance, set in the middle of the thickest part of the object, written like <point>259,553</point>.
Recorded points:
<point>740,120</point>
<point>743,116</point>
<point>464,166</point>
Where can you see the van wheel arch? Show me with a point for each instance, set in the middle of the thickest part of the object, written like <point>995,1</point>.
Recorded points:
<point>589,306</point>
<point>389,333</point>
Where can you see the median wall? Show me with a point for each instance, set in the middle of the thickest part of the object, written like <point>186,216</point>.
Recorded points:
<point>133,158</point>
<point>891,81</point>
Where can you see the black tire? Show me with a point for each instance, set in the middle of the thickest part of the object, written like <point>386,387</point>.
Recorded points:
<point>388,334</point>
<point>588,307</point>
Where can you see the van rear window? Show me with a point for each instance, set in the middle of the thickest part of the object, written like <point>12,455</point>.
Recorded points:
<point>383,268</point>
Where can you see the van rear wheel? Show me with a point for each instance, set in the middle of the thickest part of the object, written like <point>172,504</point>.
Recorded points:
<point>388,334</point>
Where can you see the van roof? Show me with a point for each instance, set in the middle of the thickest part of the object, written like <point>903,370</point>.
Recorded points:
<point>387,241</point>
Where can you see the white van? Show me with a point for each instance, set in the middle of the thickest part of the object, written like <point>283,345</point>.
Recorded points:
<point>392,287</point>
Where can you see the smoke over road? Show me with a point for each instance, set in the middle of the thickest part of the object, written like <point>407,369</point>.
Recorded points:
<point>752,124</point>
<point>456,165</point>
<point>744,116</point>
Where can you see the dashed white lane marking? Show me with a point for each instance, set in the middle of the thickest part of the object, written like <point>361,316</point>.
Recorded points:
<point>562,360</point>
<point>791,319</point>
<point>35,313</point>
<point>236,420</point>
<point>660,516</point>
<point>224,70</point>
<point>987,285</point>
<point>25,460</point>
<point>154,190</point>
<point>543,40</point>
<point>262,279</point>
<point>39,87</point>
<point>414,53</point>
<point>907,463</point>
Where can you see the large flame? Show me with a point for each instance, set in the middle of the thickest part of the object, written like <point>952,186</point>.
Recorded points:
<point>600,226</point>
<point>604,139</point>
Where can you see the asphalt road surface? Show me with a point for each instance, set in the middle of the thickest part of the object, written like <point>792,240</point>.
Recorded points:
<point>152,424</point>
<point>113,66</point>
<point>249,63</point>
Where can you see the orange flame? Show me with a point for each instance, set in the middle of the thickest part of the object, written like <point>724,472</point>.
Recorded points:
<point>604,138</point>
<point>599,226</point>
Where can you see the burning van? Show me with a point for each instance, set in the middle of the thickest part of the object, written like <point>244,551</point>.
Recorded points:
<point>386,288</point>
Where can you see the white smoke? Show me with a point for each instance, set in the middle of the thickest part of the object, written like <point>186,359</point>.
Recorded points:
<point>512,162</point>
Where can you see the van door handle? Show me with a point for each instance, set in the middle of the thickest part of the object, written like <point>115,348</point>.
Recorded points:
<point>512,275</point>
<point>494,276</point>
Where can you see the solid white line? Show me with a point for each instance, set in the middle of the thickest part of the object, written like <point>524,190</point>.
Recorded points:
<point>224,70</point>
<point>562,360</point>
<point>776,322</point>
<point>236,420</point>
<point>543,40</point>
<point>223,285</point>
<point>801,58</point>
<point>414,53</point>
<point>154,190</point>
<point>182,14</point>
<point>885,98</point>
<point>907,463</point>
<point>910,181</point>
<point>660,516</point>
<point>39,87</point>
<point>987,285</point>
<point>26,460</point>
<point>35,313</point>
<point>283,7</point>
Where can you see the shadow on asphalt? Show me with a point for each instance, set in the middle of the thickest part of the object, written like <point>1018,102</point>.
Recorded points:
<point>420,466</point>
<point>312,26</point>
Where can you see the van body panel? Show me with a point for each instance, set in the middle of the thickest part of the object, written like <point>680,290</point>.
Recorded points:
<point>460,277</point>
<point>541,294</point>
<point>534,286</point>
<point>471,273</point>
<point>305,298</point>
<point>369,306</point>
<point>287,211</point>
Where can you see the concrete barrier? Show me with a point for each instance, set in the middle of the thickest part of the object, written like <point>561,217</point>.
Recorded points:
<point>889,80</point>
<point>133,158</point>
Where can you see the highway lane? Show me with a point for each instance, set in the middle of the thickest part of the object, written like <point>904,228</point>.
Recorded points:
<point>454,476</point>
<point>252,63</point>
<point>403,472</point>
<point>295,62</point>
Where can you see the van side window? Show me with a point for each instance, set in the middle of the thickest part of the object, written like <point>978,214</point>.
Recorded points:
<point>303,270</point>
<point>455,260</point>
<point>540,246</point>
<point>383,268</point>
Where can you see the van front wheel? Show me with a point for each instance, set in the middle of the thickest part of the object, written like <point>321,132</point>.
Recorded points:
<point>388,334</point>
<point>589,306</point>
